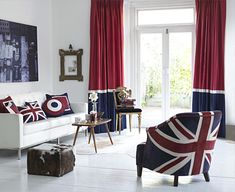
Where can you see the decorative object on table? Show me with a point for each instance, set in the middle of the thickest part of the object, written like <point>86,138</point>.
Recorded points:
<point>180,146</point>
<point>124,105</point>
<point>99,115</point>
<point>93,98</point>
<point>78,119</point>
<point>71,64</point>
<point>88,117</point>
<point>19,58</point>
<point>50,159</point>
<point>93,116</point>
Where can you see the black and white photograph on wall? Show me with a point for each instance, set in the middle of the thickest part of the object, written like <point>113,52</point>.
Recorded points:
<point>18,52</point>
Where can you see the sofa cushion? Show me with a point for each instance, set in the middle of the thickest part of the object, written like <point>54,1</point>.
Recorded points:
<point>50,123</point>
<point>8,106</point>
<point>59,121</point>
<point>55,107</point>
<point>68,110</point>
<point>32,112</point>
<point>34,127</point>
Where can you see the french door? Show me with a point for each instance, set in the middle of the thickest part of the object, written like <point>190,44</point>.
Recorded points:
<point>165,65</point>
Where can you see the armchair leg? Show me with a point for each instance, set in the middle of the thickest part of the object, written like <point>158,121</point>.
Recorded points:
<point>139,121</point>
<point>139,170</point>
<point>206,176</point>
<point>130,121</point>
<point>176,178</point>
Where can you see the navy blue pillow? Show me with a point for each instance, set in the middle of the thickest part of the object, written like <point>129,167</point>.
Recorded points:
<point>68,109</point>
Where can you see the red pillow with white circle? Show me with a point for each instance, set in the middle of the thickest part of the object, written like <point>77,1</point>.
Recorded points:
<point>68,109</point>
<point>55,107</point>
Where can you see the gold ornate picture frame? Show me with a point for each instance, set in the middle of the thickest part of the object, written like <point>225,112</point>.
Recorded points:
<point>71,64</point>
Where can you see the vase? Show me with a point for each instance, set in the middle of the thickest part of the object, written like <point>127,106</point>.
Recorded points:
<point>94,107</point>
<point>94,112</point>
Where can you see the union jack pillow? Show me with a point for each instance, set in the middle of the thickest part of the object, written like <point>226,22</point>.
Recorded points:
<point>32,112</point>
<point>7,105</point>
<point>68,109</point>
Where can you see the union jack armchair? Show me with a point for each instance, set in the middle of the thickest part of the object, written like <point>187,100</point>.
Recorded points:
<point>180,146</point>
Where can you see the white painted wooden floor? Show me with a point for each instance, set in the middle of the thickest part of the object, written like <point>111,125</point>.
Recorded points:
<point>113,171</point>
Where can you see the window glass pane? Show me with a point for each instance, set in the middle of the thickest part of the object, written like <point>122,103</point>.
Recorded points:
<point>151,78</point>
<point>180,72</point>
<point>167,16</point>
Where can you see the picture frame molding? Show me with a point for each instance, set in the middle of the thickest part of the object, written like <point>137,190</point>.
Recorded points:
<point>65,53</point>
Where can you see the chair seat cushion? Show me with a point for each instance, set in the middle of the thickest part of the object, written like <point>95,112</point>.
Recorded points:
<point>128,110</point>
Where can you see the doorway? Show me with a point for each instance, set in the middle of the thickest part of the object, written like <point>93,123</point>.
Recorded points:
<point>165,64</point>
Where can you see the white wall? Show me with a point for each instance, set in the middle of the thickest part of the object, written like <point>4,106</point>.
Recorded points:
<point>71,24</point>
<point>37,13</point>
<point>230,63</point>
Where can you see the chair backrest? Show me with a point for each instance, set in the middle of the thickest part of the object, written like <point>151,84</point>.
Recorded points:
<point>120,94</point>
<point>183,145</point>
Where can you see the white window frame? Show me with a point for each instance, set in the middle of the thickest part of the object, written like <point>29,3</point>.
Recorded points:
<point>132,67</point>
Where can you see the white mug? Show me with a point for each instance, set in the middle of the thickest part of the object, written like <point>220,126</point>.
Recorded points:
<point>88,117</point>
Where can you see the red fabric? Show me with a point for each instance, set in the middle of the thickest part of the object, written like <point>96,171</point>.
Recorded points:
<point>106,44</point>
<point>7,105</point>
<point>55,107</point>
<point>210,38</point>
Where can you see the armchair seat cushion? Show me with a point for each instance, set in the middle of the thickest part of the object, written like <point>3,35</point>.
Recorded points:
<point>128,110</point>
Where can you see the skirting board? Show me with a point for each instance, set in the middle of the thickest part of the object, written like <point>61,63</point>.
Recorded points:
<point>230,132</point>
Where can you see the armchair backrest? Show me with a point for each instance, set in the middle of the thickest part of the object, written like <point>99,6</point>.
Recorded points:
<point>183,144</point>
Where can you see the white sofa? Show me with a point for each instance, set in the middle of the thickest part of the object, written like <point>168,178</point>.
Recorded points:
<point>16,135</point>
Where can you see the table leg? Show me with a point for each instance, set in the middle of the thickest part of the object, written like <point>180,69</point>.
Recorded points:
<point>85,132</point>
<point>107,128</point>
<point>76,134</point>
<point>89,140</point>
<point>93,135</point>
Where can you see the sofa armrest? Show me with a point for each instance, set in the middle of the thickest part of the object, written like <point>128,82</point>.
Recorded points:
<point>79,107</point>
<point>11,131</point>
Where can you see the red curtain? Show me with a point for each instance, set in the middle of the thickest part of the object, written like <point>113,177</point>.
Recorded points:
<point>106,54</point>
<point>106,44</point>
<point>208,93</point>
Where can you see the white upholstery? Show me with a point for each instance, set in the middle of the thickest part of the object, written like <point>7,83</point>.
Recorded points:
<point>34,127</point>
<point>20,99</point>
<point>14,134</point>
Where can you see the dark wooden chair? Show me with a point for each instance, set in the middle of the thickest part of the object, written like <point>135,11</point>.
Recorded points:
<point>124,105</point>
